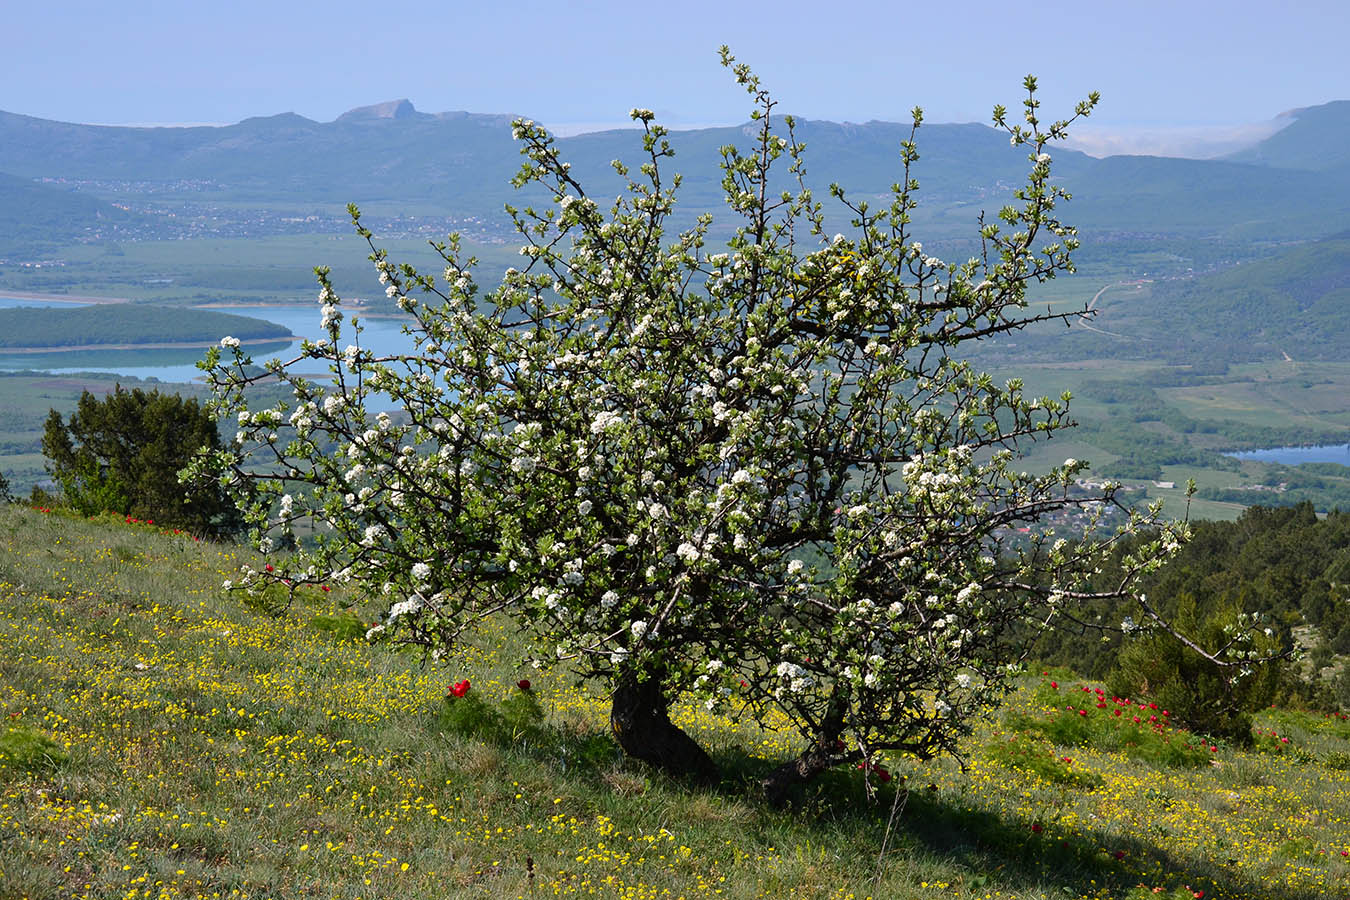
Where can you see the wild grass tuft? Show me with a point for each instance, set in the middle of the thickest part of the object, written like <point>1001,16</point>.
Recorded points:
<point>27,750</point>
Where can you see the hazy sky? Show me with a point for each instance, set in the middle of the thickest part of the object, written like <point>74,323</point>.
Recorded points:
<point>1169,72</point>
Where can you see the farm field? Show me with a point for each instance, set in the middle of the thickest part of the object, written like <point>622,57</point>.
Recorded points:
<point>1126,410</point>
<point>159,738</point>
<point>277,269</point>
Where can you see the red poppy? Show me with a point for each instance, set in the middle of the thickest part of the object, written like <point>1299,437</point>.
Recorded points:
<point>523,684</point>
<point>460,689</point>
<point>1036,827</point>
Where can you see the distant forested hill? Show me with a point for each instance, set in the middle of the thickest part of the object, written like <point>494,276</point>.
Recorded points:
<point>127,323</point>
<point>34,215</point>
<point>1296,303</point>
<point>1286,564</point>
<point>1317,138</point>
<point>1208,197</point>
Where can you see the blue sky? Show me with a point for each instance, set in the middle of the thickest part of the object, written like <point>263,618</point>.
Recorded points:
<point>1168,72</point>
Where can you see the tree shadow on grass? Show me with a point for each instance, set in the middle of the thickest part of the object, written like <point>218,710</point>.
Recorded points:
<point>998,851</point>
<point>992,851</point>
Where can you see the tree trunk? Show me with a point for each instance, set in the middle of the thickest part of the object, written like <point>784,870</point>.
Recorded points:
<point>825,753</point>
<point>779,783</point>
<point>641,722</point>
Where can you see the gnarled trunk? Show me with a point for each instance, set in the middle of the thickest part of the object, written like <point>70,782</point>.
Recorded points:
<point>819,757</point>
<point>641,722</point>
<point>825,753</point>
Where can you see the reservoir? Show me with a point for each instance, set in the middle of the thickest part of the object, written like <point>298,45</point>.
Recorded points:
<point>380,335</point>
<point>1293,456</point>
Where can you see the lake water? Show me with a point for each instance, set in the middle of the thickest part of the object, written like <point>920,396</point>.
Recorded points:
<point>382,336</point>
<point>1293,456</point>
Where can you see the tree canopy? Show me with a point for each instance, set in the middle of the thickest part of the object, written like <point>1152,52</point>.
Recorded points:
<point>762,476</point>
<point>123,452</point>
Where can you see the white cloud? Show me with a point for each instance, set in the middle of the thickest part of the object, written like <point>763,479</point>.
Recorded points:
<point>1186,141</point>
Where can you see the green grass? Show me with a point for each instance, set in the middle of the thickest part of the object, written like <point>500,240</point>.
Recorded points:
<point>1078,716</point>
<point>215,751</point>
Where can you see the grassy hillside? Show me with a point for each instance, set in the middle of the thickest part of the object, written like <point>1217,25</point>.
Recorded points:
<point>1283,305</point>
<point>161,739</point>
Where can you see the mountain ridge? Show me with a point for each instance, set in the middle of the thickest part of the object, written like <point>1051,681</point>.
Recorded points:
<point>459,164</point>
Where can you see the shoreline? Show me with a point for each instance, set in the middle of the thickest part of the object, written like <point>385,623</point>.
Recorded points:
<point>362,311</point>
<point>176,345</point>
<point>62,298</point>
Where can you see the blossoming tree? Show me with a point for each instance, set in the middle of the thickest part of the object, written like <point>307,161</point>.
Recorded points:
<point>760,476</point>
